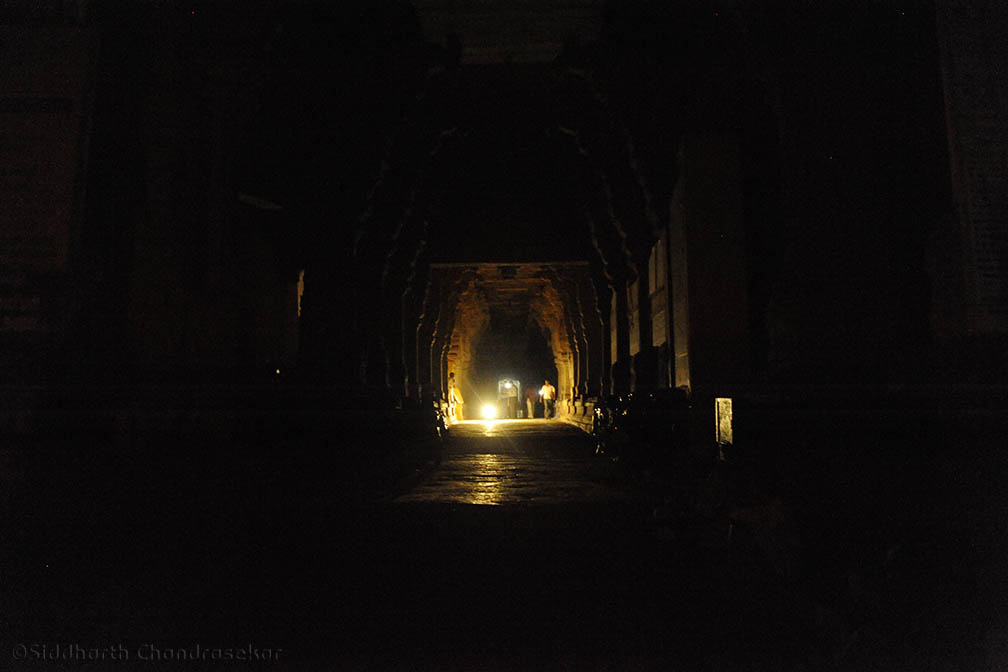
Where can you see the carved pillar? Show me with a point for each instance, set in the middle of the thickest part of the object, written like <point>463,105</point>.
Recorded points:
<point>645,361</point>
<point>425,330</point>
<point>620,339</point>
<point>584,361</point>
<point>601,347</point>
<point>602,368</point>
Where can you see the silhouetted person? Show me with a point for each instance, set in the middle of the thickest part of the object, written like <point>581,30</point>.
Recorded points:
<point>530,401</point>
<point>548,395</point>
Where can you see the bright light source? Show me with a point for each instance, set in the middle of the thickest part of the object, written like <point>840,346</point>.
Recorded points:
<point>489,411</point>
<point>507,385</point>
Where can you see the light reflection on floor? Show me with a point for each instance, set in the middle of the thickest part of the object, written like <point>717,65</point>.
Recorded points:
<point>495,462</point>
<point>496,425</point>
<point>487,485</point>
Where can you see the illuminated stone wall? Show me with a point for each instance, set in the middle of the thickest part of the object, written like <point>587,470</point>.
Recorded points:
<point>551,314</point>
<point>553,297</point>
<point>472,316</point>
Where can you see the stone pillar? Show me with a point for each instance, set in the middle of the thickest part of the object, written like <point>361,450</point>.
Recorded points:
<point>408,334</point>
<point>374,356</point>
<point>421,379</point>
<point>394,372</point>
<point>585,312</point>
<point>645,361</point>
<point>707,267</point>
<point>602,369</point>
<point>423,340</point>
<point>598,362</point>
<point>974,76</point>
<point>437,357</point>
<point>572,316</point>
<point>620,339</point>
<point>660,321</point>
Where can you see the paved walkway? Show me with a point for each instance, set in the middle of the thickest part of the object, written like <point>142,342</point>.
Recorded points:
<point>519,552</point>
<point>516,462</point>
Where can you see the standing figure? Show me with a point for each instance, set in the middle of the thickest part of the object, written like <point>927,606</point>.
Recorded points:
<point>548,394</point>
<point>455,401</point>
<point>530,401</point>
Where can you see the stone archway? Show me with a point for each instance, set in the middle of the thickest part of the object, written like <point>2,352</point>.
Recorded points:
<point>549,297</point>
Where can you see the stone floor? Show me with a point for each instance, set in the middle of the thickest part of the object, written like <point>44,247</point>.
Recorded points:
<point>515,462</point>
<point>519,551</point>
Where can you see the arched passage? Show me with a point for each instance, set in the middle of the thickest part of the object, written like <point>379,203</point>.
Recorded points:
<point>508,163</point>
<point>525,320</point>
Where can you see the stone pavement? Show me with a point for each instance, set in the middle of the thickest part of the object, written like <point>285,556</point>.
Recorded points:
<point>516,462</point>
<point>519,551</point>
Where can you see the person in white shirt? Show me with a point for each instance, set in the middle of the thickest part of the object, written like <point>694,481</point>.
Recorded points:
<point>548,395</point>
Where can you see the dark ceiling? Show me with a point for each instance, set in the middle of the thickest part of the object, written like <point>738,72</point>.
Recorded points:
<point>505,199</point>
<point>518,31</point>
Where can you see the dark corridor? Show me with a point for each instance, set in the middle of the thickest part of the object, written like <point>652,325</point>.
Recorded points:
<point>759,251</point>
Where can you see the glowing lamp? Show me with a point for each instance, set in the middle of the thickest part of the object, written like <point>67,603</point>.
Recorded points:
<point>489,411</point>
